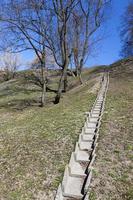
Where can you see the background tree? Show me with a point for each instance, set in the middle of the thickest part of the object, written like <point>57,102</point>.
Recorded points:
<point>87,18</point>
<point>24,22</point>
<point>35,25</point>
<point>62,26</point>
<point>127,32</point>
<point>58,40</point>
<point>9,63</point>
<point>35,71</point>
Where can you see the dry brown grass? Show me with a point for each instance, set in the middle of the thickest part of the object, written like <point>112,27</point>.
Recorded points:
<point>113,169</point>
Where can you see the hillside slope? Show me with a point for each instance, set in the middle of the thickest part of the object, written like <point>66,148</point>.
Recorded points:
<point>36,143</point>
<point>113,175</point>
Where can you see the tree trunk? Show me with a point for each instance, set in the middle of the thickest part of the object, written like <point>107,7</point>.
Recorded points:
<point>43,97</point>
<point>79,71</point>
<point>58,96</point>
<point>59,92</point>
<point>80,78</point>
<point>65,82</point>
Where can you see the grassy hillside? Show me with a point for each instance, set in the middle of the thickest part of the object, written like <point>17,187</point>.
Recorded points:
<point>113,177</point>
<point>36,143</point>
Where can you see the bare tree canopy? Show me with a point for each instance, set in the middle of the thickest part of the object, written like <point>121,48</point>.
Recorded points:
<point>9,63</point>
<point>87,18</point>
<point>62,27</point>
<point>26,24</point>
<point>127,32</point>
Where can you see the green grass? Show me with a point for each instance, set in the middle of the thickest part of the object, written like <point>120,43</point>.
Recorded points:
<point>36,143</point>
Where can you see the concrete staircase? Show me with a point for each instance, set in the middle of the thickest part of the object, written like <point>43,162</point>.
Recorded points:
<point>78,173</point>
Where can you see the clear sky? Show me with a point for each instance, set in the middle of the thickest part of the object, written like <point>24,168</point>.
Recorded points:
<point>109,48</point>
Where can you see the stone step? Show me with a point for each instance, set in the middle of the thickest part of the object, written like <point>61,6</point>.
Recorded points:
<point>95,112</point>
<point>99,103</point>
<point>85,146</point>
<point>98,106</point>
<point>72,186</point>
<point>94,115</point>
<point>81,155</point>
<point>100,99</point>
<point>96,109</point>
<point>100,96</point>
<point>76,168</point>
<point>91,125</point>
<point>77,176</point>
<point>89,131</point>
<point>86,138</point>
<point>94,119</point>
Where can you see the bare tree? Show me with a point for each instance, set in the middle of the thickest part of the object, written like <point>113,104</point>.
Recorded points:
<point>35,70</point>
<point>37,25</point>
<point>57,38</point>
<point>24,20</point>
<point>127,32</point>
<point>86,20</point>
<point>10,63</point>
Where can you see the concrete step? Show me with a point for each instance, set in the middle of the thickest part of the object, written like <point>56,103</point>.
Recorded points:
<point>98,103</point>
<point>85,146</point>
<point>76,169</point>
<point>91,125</point>
<point>94,119</point>
<point>97,106</point>
<point>89,131</point>
<point>86,138</point>
<point>100,99</point>
<point>72,186</point>
<point>95,111</point>
<point>81,155</point>
<point>94,115</point>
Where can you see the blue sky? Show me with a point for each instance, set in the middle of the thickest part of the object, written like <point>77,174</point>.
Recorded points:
<point>108,49</point>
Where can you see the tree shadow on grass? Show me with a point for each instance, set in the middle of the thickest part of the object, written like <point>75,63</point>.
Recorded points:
<point>18,97</point>
<point>12,102</point>
<point>19,104</point>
